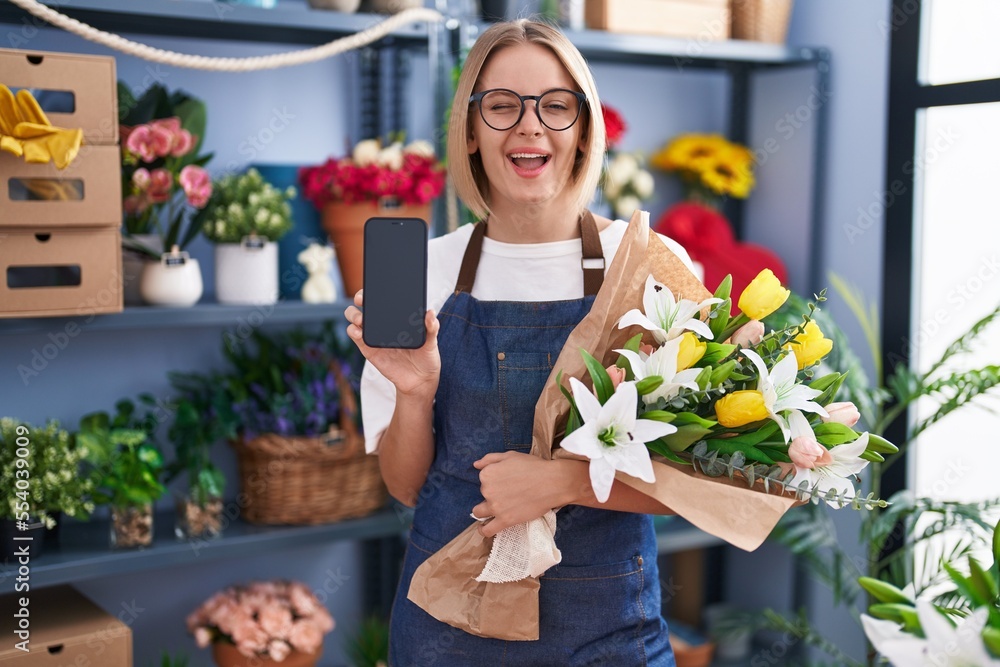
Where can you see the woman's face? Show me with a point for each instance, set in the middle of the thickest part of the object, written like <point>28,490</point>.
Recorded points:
<point>529,163</point>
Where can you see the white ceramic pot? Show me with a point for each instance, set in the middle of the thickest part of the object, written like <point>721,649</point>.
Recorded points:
<point>173,281</point>
<point>246,275</point>
<point>133,263</point>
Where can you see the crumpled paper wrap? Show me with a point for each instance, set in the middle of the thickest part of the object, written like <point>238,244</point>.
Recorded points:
<point>445,584</point>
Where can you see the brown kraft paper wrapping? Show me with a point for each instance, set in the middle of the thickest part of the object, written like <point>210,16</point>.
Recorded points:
<point>445,584</point>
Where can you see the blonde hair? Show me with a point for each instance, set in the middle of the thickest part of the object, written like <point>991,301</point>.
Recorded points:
<point>466,170</point>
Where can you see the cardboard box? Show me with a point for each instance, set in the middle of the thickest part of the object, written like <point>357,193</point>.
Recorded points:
<point>60,272</point>
<point>90,188</point>
<point>698,19</point>
<point>88,83</point>
<point>65,628</point>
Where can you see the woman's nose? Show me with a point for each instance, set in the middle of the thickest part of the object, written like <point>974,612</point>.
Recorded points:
<point>530,123</point>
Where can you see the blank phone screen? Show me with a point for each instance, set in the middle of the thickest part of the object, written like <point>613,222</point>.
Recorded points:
<point>395,282</point>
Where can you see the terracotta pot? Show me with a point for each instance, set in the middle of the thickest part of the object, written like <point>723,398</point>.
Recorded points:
<point>226,655</point>
<point>345,225</point>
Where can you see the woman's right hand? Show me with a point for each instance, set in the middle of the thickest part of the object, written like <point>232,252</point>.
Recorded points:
<point>412,371</point>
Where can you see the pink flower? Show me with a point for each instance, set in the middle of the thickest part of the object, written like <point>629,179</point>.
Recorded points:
<point>140,179</point>
<point>140,142</point>
<point>278,650</point>
<point>616,374</point>
<point>323,620</point>
<point>161,182</point>
<point>202,637</point>
<point>305,636</point>
<point>160,140</point>
<point>807,453</point>
<point>249,637</point>
<point>302,600</point>
<point>276,621</point>
<point>197,185</point>
<point>749,334</point>
<point>135,205</point>
<point>183,144</point>
<point>646,349</point>
<point>845,413</point>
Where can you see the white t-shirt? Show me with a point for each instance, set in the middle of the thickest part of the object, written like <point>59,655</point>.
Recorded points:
<point>507,272</point>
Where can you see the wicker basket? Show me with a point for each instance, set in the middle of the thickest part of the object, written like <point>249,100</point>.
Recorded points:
<point>310,480</point>
<point>761,20</point>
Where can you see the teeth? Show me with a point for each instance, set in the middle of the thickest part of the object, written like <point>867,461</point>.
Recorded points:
<point>513,155</point>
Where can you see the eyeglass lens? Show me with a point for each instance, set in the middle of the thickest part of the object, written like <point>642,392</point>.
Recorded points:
<point>557,109</point>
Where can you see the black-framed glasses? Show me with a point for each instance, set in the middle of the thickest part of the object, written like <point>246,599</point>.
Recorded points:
<point>557,109</point>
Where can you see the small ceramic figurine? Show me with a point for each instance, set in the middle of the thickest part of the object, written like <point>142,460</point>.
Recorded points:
<point>318,260</point>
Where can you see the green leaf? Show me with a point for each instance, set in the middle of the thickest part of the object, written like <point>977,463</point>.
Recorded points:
<point>830,392</point>
<point>574,414</point>
<point>715,352</point>
<point>982,581</point>
<point>720,322</point>
<point>731,446</point>
<point>660,416</point>
<point>884,591</point>
<point>991,637</point>
<point>648,385</point>
<point>725,288</point>
<point>964,586</point>
<point>659,447</point>
<point>703,378</point>
<point>685,436</point>
<point>722,373</point>
<point>603,387</point>
<point>692,418</point>
<point>996,545</point>
<point>776,454</point>
<point>825,382</point>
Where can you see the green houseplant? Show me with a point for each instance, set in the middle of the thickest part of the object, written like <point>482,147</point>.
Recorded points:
<point>244,219</point>
<point>48,484</point>
<point>202,418</point>
<point>126,468</point>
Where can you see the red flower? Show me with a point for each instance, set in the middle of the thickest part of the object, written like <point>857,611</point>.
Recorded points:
<point>614,125</point>
<point>419,180</point>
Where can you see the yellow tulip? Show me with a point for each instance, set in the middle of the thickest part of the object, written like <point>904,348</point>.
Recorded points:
<point>763,296</point>
<point>690,351</point>
<point>812,345</point>
<point>740,408</point>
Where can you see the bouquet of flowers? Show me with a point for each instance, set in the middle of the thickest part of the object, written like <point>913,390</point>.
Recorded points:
<point>245,204</point>
<point>410,174</point>
<point>263,619</point>
<point>726,425</point>
<point>962,629</point>
<point>624,182</point>
<point>162,174</point>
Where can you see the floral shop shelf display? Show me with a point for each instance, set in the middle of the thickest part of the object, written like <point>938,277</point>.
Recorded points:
<point>40,483</point>
<point>375,180</point>
<point>244,218</point>
<point>262,623</point>
<point>301,455</point>
<point>624,183</point>
<point>126,467</point>
<point>164,183</point>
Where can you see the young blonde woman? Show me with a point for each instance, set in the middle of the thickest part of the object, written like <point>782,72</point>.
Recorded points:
<point>452,421</point>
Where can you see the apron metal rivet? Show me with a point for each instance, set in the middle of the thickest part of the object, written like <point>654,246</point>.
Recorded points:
<point>640,561</point>
<point>500,356</point>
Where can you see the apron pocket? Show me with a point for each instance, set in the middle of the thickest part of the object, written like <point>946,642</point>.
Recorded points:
<point>521,377</point>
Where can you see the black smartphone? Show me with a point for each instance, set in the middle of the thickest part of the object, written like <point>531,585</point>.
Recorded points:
<point>395,282</point>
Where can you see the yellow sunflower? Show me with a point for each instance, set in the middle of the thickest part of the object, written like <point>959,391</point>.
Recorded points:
<point>730,172</point>
<point>689,152</point>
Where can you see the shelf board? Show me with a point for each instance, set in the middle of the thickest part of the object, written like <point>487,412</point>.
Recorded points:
<point>199,315</point>
<point>288,22</point>
<point>85,551</point>
<point>681,54</point>
<point>678,534</point>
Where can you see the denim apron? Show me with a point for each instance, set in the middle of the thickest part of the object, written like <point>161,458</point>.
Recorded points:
<point>601,604</point>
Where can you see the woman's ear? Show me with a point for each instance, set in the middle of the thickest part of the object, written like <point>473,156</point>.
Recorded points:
<point>471,144</point>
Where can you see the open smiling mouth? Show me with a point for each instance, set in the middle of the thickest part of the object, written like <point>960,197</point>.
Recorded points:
<point>529,161</point>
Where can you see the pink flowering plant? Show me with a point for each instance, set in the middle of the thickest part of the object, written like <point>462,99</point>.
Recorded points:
<point>263,619</point>
<point>408,173</point>
<point>163,176</point>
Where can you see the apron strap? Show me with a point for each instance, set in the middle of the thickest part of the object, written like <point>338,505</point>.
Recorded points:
<point>592,261</point>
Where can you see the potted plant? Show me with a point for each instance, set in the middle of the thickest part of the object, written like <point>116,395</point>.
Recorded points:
<point>262,623</point>
<point>375,180</point>
<point>163,182</point>
<point>40,481</point>
<point>244,218</point>
<point>202,417</point>
<point>126,468</point>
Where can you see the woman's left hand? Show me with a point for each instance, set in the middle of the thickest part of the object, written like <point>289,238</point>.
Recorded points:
<point>516,488</point>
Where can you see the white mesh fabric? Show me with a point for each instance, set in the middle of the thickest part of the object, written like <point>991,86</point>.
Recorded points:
<point>522,551</point>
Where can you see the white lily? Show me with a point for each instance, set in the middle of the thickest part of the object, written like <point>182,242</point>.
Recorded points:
<point>782,392</point>
<point>611,436</point>
<point>662,362</point>
<point>665,316</point>
<point>845,463</point>
<point>944,646</point>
